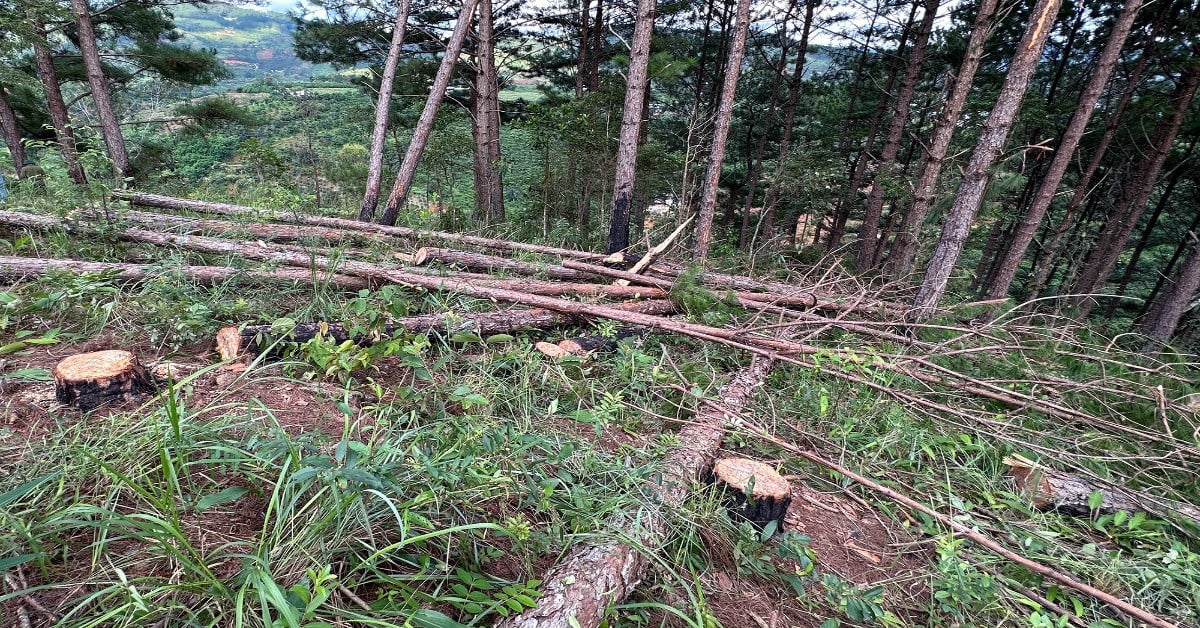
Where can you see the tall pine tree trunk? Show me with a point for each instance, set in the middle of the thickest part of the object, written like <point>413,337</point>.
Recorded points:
<point>485,119</point>
<point>1128,209</point>
<point>110,126</point>
<point>1148,231</point>
<point>868,240</point>
<point>12,134</point>
<point>1050,248</point>
<point>581,51</point>
<point>904,250</point>
<point>789,120</point>
<point>631,123</point>
<point>1168,309</point>
<point>858,166</point>
<point>975,178</point>
<point>416,146</point>
<point>1027,227</point>
<point>56,105</point>
<point>1168,271</point>
<point>716,157</point>
<point>383,106</point>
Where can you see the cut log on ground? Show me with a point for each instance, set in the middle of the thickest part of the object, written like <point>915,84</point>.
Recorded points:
<point>760,495</point>
<point>871,307</point>
<point>262,231</point>
<point>19,268</point>
<point>578,591</point>
<point>225,209</point>
<point>234,341</point>
<point>90,380</point>
<point>581,346</point>
<point>480,261</point>
<point>1050,489</point>
<point>749,340</point>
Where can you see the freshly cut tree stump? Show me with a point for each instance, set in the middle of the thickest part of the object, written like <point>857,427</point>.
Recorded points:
<point>761,494</point>
<point>90,380</point>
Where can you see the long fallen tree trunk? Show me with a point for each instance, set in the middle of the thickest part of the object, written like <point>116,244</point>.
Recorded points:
<point>19,268</point>
<point>225,209</point>
<point>254,338</point>
<point>578,590</point>
<point>262,231</point>
<point>480,261</point>
<point>747,340</point>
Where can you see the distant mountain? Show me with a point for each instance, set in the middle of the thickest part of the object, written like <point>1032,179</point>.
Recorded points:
<point>251,42</point>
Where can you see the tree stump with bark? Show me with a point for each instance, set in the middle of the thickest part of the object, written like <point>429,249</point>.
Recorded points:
<point>90,380</point>
<point>759,493</point>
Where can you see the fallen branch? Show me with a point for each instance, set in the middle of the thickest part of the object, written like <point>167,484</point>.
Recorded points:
<point>225,209</point>
<point>655,251</point>
<point>578,590</point>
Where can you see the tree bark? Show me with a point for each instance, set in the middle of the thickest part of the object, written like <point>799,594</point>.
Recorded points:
<point>904,250</point>
<point>479,261</point>
<point>225,209</point>
<point>789,120</point>
<point>1049,250</point>
<point>383,108</point>
<point>14,269</point>
<point>56,105</point>
<point>256,338</point>
<point>868,239</point>
<point>1168,269</point>
<point>1128,209</point>
<point>716,158</point>
<point>1168,309</point>
<point>978,172</point>
<point>12,133</point>
<point>1027,226</point>
<point>90,380</point>
<point>1151,223</point>
<point>416,146</point>
<point>637,79</point>
<point>110,126</point>
<point>579,590</point>
<point>485,119</point>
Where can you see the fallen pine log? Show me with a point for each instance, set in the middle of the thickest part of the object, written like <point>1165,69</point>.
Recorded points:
<point>263,231</point>
<point>480,261</point>
<point>740,339</point>
<point>881,309</point>
<point>225,209</point>
<point>233,341</point>
<point>18,268</point>
<point>762,302</point>
<point>1070,494</point>
<point>581,346</point>
<point>578,591</point>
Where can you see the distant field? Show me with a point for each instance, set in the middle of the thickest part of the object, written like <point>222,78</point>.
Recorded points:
<point>521,92</point>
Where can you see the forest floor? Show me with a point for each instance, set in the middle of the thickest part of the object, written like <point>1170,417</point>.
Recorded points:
<point>435,479</point>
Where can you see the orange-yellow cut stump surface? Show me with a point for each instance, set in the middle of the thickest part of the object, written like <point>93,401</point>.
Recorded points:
<point>770,493</point>
<point>90,380</point>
